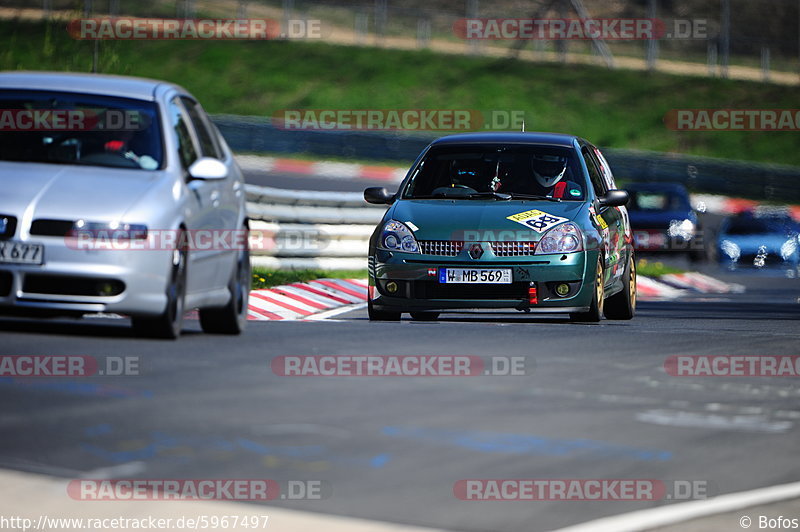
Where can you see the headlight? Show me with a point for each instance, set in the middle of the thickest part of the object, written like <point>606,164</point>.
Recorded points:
<point>682,228</point>
<point>788,249</point>
<point>731,250</point>
<point>397,237</point>
<point>564,238</point>
<point>109,231</point>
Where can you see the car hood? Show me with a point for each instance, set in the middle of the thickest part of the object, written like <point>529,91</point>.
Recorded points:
<point>450,219</point>
<point>71,192</point>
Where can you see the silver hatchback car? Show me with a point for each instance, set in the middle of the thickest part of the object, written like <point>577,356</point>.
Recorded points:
<point>119,196</point>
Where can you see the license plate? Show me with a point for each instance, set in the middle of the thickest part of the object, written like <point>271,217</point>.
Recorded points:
<point>475,275</point>
<point>21,253</point>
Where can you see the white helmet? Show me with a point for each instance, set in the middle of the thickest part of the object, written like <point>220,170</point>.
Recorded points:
<point>548,169</point>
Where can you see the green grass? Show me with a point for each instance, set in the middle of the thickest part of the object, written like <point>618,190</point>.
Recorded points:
<point>654,268</point>
<point>263,278</point>
<point>613,108</point>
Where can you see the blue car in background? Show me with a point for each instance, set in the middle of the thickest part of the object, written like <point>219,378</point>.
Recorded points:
<point>760,241</point>
<point>663,220</point>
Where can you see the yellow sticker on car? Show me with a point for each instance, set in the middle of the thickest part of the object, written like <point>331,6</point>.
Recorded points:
<point>602,223</point>
<point>537,220</point>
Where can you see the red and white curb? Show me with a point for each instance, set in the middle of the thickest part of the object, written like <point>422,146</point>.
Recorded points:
<point>328,169</point>
<point>323,298</point>
<point>312,300</point>
<point>699,282</point>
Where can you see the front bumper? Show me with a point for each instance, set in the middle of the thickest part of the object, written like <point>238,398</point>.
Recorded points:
<point>415,277</point>
<point>73,281</point>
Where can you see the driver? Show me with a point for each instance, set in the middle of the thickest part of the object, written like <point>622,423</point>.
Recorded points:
<point>552,174</point>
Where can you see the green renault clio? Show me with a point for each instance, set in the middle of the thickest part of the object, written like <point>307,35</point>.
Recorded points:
<point>525,221</point>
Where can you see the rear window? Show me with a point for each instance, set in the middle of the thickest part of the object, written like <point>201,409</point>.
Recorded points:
<point>82,129</point>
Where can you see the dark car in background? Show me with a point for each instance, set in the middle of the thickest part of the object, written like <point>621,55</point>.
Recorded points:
<point>663,220</point>
<point>760,240</point>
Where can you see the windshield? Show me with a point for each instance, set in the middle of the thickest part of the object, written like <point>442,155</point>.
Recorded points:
<point>747,225</point>
<point>498,171</point>
<point>70,128</point>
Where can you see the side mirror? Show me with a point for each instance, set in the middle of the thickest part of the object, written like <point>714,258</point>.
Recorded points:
<point>208,168</point>
<point>378,196</point>
<point>614,198</point>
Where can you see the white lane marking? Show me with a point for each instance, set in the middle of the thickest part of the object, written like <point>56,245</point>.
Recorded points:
<point>46,495</point>
<point>127,469</point>
<point>686,511</point>
<point>744,423</point>
<point>335,312</point>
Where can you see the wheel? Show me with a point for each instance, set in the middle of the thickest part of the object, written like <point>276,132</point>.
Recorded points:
<point>381,315</point>
<point>595,312</point>
<point>622,306</point>
<point>425,316</point>
<point>168,325</point>
<point>232,318</point>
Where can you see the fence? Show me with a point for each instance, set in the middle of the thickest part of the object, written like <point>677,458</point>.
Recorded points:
<point>752,39</point>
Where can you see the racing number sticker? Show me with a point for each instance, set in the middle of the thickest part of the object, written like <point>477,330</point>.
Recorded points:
<point>537,220</point>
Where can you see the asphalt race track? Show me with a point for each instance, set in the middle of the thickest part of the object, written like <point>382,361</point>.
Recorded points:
<point>597,404</point>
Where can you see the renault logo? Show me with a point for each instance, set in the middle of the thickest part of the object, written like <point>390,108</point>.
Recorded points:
<point>475,251</point>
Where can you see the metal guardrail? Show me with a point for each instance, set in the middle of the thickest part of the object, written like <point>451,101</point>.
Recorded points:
<point>309,229</point>
<point>700,174</point>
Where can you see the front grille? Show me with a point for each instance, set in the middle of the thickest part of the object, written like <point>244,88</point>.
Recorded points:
<point>434,290</point>
<point>513,249</point>
<point>442,248</point>
<point>45,227</point>
<point>447,248</point>
<point>65,285</point>
<point>8,226</point>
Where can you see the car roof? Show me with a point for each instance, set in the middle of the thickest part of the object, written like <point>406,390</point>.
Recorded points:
<point>122,86</point>
<point>553,139</point>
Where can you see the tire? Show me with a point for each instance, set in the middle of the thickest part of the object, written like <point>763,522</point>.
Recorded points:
<point>595,312</point>
<point>425,316</point>
<point>168,325</point>
<point>381,315</point>
<point>232,318</point>
<point>622,306</point>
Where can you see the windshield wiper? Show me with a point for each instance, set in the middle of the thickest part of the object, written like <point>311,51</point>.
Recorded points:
<point>498,195</point>
<point>516,195</point>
